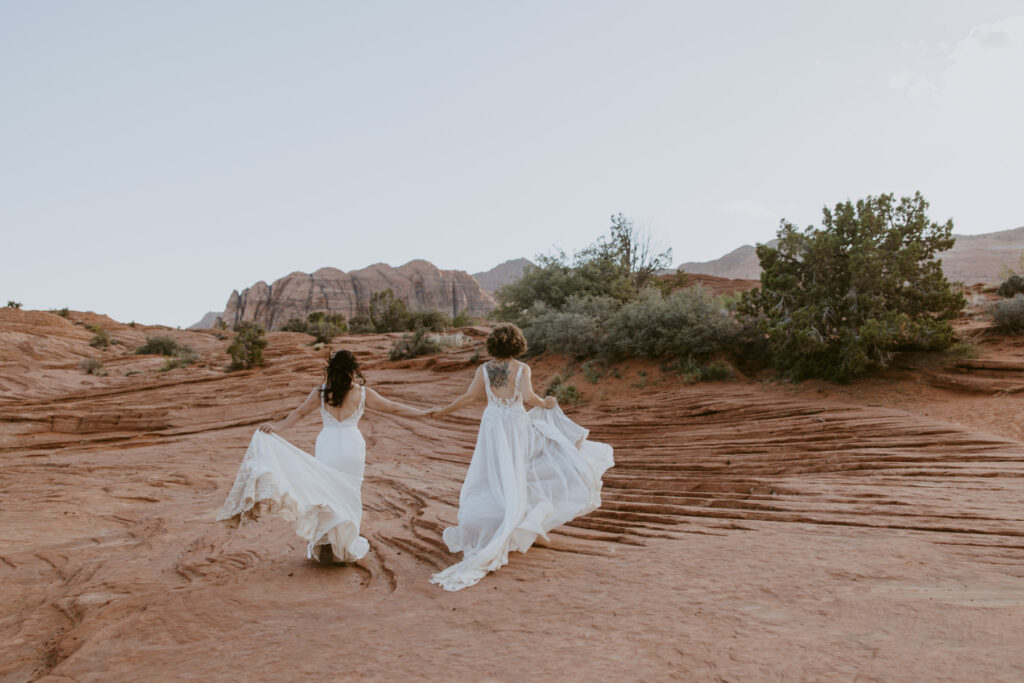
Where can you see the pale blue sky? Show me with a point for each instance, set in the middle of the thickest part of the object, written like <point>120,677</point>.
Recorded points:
<point>156,155</point>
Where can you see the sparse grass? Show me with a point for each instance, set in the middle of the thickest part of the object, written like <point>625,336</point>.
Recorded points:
<point>92,366</point>
<point>178,355</point>
<point>132,372</point>
<point>593,371</point>
<point>563,393</point>
<point>963,350</point>
<point>101,338</point>
<point>62,312</point>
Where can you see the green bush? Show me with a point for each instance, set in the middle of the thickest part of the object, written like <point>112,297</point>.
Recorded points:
<point>617,266</point>
<point>13,304</point>
<point>435,321</point>
<point>161,345</point>
<point>62,312</point>
<point>101,338</point>
<point>564,393</point>
<point>684,323</point>
<point>418,343</point>
<point>323,326</point>
<point>1009,314</point>
<point>91,366</point>
<point>1011,286</point>
<point>693,371</point>
<point>360,323</point>
<point>246,348</point>
<point>388,313</point>
<point>841,300</point>
<point>463,319</point>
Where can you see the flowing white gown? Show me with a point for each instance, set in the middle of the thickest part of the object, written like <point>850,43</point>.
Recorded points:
<point>530,472</point>
<point>320,496</point>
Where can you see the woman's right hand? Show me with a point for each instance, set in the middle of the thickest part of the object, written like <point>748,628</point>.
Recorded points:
<point>550,402</point>
<point>267,428</point>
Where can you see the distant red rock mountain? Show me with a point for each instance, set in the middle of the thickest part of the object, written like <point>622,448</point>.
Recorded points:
<point>973,259</point>
<point>502,274</point>
<point>420,284</point>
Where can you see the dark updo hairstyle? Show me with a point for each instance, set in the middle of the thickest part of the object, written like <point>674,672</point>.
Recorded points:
<point>506,341</point>
<point>342,371</point>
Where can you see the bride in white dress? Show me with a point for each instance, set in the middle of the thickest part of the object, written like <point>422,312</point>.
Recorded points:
<point>530,472</point>
<point>319,495</point>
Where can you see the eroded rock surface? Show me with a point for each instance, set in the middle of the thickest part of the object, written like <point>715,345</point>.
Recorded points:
<point>749,531</point>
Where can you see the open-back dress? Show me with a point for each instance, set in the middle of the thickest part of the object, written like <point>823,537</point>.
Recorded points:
<point>530,472</point>
<point>320,496</point>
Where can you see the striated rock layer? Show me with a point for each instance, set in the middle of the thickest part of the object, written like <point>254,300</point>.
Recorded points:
<point>420,284</point>
<point>749,531</point>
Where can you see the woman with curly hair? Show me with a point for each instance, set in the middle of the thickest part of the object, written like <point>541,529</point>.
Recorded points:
<point>530,472</point>
<point>319,495</point>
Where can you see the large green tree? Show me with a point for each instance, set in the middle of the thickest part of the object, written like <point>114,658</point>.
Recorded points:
<point>840,300</point>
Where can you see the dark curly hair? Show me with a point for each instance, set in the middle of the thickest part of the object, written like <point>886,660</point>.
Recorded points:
<point>341,372</point>
<point>506,341</point>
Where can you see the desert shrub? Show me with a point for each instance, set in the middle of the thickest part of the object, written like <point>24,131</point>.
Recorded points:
<point>91,366</point>
<point>161,345</point>
<point>841,300</point>
<point>388,313</point>
<point>687,322</point>
<point>593,370</point>
<point>360,323</point>
<point>184,357</point>
<point>246,348</point>
<point>62,312</point>
<point>100,338</point>
<point>563,393</point>
<point>1009,314</point>
<point>693,371</point>
<point>13,304</point>
<point>1011,286</point>
<point>463,319</point>
<point>323,326</point>
<point>618,266</point>
<point>418,343</point>
<point>435,321</point>
<point>578,329</point>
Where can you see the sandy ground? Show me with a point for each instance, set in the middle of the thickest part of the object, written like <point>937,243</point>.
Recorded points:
<point>751,529</point>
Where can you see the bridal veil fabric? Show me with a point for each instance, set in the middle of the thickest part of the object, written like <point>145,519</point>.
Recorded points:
<point>320,496</point>
<point>530,472</point>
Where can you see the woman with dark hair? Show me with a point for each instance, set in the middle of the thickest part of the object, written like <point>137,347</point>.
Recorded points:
<point>530,472</point>
<point>319,495</point>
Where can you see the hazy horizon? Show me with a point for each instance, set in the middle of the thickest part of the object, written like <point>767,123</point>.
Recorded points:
<point>156,156</point>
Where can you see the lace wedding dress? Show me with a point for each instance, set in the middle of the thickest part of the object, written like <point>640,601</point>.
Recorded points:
<point>530,472</point>
<point>320,496</point>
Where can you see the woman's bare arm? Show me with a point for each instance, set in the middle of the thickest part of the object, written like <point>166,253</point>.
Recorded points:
<point>529,396</point>
<point>304,409</point>
<point>474,393</point>
<point>375,401</point>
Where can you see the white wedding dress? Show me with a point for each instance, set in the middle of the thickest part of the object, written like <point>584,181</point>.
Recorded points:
<point>530,472</point>
<point>320,496</point>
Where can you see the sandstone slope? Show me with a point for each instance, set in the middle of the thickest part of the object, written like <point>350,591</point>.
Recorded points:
<point>750,530</point>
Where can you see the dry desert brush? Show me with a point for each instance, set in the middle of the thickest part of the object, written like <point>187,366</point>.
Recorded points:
<point>1008,314</point>
<point>246,348</point>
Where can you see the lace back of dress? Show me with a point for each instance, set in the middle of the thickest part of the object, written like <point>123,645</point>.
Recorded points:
<point>493,399</point>
<point>329,419</point>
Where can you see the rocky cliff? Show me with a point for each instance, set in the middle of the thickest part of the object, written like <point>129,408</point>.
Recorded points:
<point>420,284</point>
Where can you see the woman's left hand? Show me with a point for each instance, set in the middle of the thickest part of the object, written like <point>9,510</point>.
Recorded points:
<point>267,428</point>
